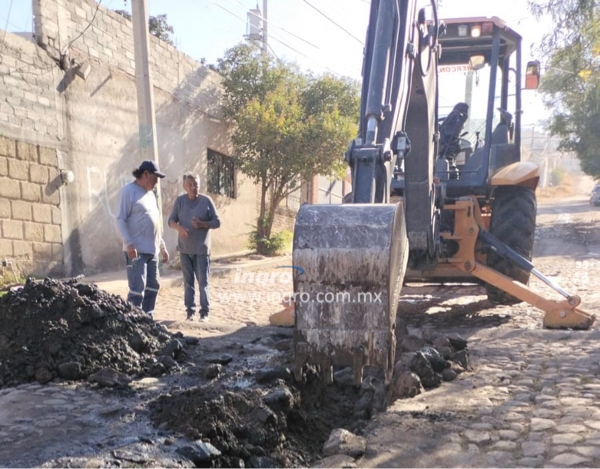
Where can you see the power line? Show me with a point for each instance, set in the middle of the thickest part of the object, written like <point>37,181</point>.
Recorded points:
<point>284,30</point>
<point>272,50</point>
<point>7,23</point>
<point>7,18</point>
<point>271,23</point>
<point>339,26</point>
<point>86,28</point>
<point>283,43</point>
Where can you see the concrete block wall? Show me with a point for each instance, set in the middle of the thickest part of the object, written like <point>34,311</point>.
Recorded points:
<point>28,96</point>
<point>101,142</point>
<point>30,214</point>
<point>109,40</point>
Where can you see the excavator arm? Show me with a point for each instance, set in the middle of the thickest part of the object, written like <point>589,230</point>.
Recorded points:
<point>354,256</point>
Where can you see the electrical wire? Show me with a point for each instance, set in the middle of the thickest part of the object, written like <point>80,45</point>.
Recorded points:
<point>272,50</point>
<point>8,23</point>
<point>7,18</point>
<point>338,25</point>
<point>283,43</point>
<point>284,30</point>
<point>271,23</point>
<point>86,28</point>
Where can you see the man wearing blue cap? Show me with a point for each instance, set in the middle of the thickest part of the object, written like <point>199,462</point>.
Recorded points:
<point>140,227</point>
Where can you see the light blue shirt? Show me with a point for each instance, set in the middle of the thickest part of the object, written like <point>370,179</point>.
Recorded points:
<point>139,219</point>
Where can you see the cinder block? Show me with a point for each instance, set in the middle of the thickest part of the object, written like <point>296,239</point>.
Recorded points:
<point>5,211</point>
<point>48,156</point>
<point>6,248</point>
<point>52,234</point>
<point>33,231</point>
<point>8,147</point>
<point>10,188</point>
<point>3,166</point>
<point>31,192</point>
<point>38,173</point>
<point>42,251</point>
<point>27,152</point>
<point>42,213</point>
<point>56,215</point>
<point>22,250</point>
<point>21,210</point>
<point>12,229</point>
<point>57,253</point>
<point>53,198</point>
<point>18,169</point>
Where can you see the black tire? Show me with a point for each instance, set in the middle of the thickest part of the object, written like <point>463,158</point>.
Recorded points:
<point>513,222</point>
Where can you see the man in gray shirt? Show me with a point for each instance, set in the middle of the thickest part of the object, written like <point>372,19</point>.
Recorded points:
<point>139,224</point>
<point>193,216</point>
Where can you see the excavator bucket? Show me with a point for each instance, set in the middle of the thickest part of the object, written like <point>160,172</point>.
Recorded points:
<point>353,259</point>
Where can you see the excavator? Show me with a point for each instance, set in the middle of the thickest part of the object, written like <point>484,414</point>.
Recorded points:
<point>439,190</point>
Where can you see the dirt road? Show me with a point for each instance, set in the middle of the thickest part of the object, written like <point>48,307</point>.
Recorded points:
<point>530,398</point>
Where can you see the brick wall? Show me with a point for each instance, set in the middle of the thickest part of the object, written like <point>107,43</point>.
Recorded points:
<point>30,217</point>
<point>285,219</point>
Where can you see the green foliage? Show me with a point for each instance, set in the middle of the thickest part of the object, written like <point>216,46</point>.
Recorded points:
<point>157,26</point>
<point>289,127</point>
<point>571,83</point>
<point>277,243</point>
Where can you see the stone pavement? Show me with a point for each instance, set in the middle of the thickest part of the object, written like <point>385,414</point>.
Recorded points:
<point>532,399</point>
<point>243,293</point>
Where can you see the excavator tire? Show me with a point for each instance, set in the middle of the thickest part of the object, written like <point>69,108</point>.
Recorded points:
<point>513,222</point>
<point>349,264</point>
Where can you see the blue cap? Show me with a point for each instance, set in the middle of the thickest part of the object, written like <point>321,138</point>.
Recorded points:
<point>151,167</point>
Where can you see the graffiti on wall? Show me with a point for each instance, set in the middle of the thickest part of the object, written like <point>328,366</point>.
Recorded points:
<point>99,193</point>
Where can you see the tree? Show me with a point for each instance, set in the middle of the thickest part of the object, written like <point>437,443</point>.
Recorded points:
<point>571,84</point>
<point>157,26</point>
<point>289,126</point>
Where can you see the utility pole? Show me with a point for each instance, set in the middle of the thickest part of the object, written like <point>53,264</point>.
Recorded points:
<point>143,80</point>
<point>145,97</point>
<point>265,28</point>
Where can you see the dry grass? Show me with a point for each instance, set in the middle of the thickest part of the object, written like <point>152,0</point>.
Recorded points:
<point>565,189</point>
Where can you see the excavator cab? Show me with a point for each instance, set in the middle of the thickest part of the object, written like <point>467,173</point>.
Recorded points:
<point>480,75</point>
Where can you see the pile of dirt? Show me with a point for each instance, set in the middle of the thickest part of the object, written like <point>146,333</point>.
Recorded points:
<point>284,424</point>
<point>70,330</point>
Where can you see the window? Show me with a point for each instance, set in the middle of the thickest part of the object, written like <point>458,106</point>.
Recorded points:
<point>221,174</point>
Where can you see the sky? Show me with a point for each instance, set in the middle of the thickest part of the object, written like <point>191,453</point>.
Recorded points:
<point>329,40</point>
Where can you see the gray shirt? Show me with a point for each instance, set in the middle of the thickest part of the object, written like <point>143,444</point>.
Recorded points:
<point>139,219</point>
<point>184,210</point>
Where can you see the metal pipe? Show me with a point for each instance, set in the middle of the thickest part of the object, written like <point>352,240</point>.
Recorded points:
<point>550,283</point>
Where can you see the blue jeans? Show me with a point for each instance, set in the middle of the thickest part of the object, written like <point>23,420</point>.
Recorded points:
<point>195,267</point>
<point>142,276</point>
